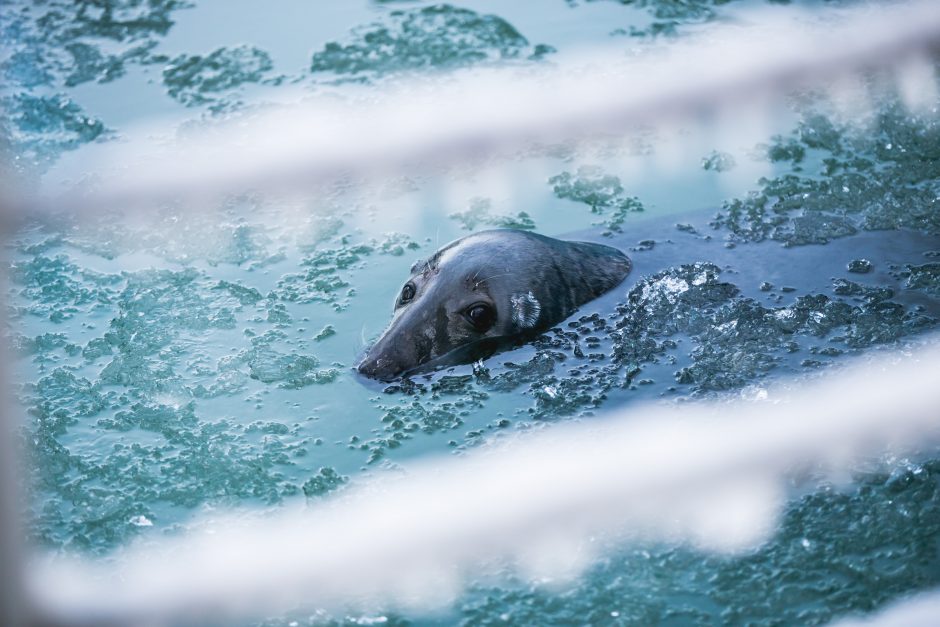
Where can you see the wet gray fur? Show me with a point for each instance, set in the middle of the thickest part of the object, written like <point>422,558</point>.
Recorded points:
<point>532,282</point>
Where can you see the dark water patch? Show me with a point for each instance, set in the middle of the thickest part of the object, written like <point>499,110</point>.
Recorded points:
<point>25,68</point>
<point>42,347</point>
<point>99,497</point>
<point>479,214</point>
<point>245,295</point>
<point>432,37</point>
<point>211,79</point>
<point>325,332</point>
<point>669,15</point>
<point>848,192</point>
<point>322,279</point>
<point>154,310</point>
<point>859,266</point>
<point>59,43</point>
<point>118,20</point>
<point>325,275</point>
<point>642,246</point>
<point>90,497</point>
<point>785,150</point>
<point>38,128</point>
<point>152,417</point>
<point>91,64</point>
<point>95,498</point>
<point>289,371</point>
<point>602,192</point>
<point>717,161</point>
<point>416,407</point>
<point>925,278</point>
<point>325,481</point>
<point>57,289</point>
<point>395,244</point>
<point>157,367</point>
<point>64,398</point>
<point>844,287</point>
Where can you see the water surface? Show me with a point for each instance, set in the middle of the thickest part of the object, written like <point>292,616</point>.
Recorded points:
<point>173,361</point>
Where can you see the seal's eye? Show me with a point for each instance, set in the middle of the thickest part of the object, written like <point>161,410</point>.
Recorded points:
<point>407,293</point>
<point>481,316</point>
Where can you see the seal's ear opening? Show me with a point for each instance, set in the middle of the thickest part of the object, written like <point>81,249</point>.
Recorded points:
<point>600,268</point>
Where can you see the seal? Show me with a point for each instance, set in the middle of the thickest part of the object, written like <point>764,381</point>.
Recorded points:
<point>486,292</point>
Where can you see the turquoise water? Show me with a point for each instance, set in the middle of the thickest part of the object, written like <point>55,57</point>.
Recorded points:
<point>175,361</point>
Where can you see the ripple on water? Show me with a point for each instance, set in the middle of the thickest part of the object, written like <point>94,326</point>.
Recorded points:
<point>880,177</point>
<point>199,80</point>
<point>433,37</point>
<point>602,192</point>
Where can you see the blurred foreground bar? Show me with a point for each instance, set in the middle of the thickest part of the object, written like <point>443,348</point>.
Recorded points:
<point>430,122</point>
<point>545,505</point>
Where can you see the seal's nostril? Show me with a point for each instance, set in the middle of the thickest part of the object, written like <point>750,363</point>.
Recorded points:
<point>373,367</point>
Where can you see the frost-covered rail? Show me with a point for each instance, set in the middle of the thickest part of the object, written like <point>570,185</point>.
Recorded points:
<point>415,123</point>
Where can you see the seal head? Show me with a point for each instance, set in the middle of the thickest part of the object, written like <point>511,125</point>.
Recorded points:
<point>487,291</point>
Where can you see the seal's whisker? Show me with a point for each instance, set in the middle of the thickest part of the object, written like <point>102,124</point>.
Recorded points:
<point>495,276</point>
<point>362,338</point>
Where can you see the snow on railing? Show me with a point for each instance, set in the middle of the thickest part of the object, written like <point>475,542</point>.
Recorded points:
<point>411,124</point>
<point>543,505</point>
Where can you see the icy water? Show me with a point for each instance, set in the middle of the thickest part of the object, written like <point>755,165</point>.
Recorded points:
<point>175,361</point>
